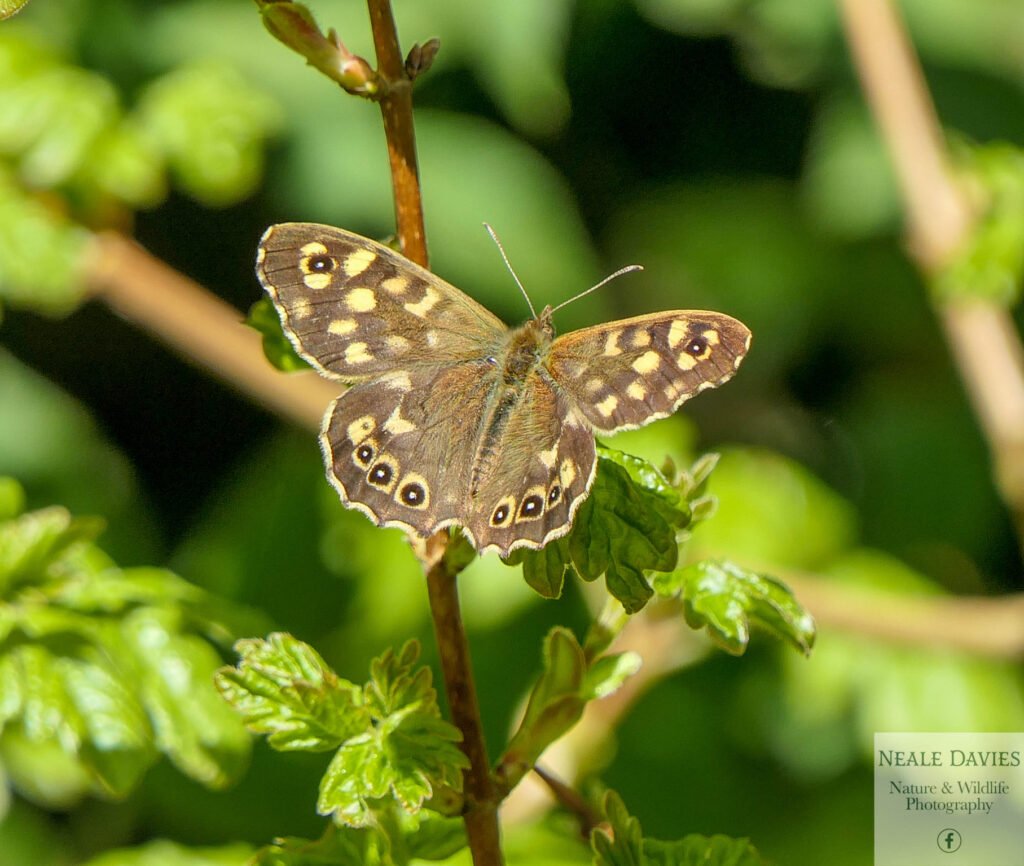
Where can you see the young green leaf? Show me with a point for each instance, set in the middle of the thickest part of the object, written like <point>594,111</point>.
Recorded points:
<point>559,697</point>
<point>102,667</point>
<point>284,689</point>
<point>623,844</point>
<point>10,7</point>
<point>628,527</point>
<point>725,598</point>
<point>276,346</point>
<point>407,751</point>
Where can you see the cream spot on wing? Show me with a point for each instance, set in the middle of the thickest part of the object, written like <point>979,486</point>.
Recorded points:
<point>686,361</point>
<point>359,429</point>
<point>316,280</point>
<point>640,338</point>
<point>424,304</point>
<point>677,333</point>
<point>313,248</point>
<point>359,261</point>
<point>673,391</point>
<point>395,285</point>
<point>711,337</point>
<point>567,472</point>
<point>647,362</point>
<point>396,343</point>
<point>360,300</point>
<point>396,425</point>
<point>398,382</point>
<point>302,308</point>
<point>432,339</point>
<point>357,353</point>
<point>548,457</point>
<point>611,344</point>
<point>607,405</point>
<point>594,385</point>
<point>341,327</point>
<point>636,390</point>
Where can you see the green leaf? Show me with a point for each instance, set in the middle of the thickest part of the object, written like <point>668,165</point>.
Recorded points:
<point>30,545</point>
<point>284,689</point>
<point>990,264</point>
<point>161,852</point>
<point>276,346</point>
<point>12,498</point>
<point>624,845</point>
<point>559,697</point>
<point>725,599</point>
<point>627,527</point>
<point>174,672</point>
<point>10,7</point>
<point>406,751</point>
<point>339,846</point>
<point>210,124</point>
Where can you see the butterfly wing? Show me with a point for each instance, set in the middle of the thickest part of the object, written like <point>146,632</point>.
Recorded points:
<point>535,474</point>
<point>628,373</point>
<point>355,309</point>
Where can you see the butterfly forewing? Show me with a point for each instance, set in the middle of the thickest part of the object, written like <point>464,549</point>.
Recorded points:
<point>354,308</point>
<point>627,373</point>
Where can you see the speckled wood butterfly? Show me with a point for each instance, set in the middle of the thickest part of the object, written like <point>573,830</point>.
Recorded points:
<point>454,418</point>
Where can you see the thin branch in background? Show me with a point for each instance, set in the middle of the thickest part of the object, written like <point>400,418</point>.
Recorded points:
<point>981,334</point>
<point>201,327</point>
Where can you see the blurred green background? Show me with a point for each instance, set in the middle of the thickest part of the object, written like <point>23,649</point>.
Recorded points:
<point>724,145</point>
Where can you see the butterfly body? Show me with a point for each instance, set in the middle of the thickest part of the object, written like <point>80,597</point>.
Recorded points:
<point>452,418</point>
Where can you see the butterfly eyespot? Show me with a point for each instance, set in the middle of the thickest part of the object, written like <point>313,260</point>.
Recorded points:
<point>414,495</point>
<point>500,515</point>
<point>364,454</point>
<point>380,475</point>
<point>554,494</point>
<point>532,506</point>
<point>697,346</point>
<point>320,264</point>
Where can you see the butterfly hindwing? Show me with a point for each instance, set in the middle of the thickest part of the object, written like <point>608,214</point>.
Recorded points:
<point>354,308</point>
<point>627,373</point>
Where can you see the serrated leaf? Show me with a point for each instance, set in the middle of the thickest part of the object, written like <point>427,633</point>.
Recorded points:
<point>34,542</point>
<point>276,346</point>
<point>624,845</point>
<point>339,846</point>
<point>191,724</point>
<point>726,599</point>
<point>395,686</point>
<point>284,689</point>
<point>10,7</point>
<point>628,527</point>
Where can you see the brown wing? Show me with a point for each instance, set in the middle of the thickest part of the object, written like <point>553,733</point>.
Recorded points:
<point>535,474</point>
<point>403,450</point>
<point>628,373</point>
<point>354,308</point>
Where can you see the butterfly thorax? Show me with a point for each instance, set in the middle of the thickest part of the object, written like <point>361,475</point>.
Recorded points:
<point>526,345</point>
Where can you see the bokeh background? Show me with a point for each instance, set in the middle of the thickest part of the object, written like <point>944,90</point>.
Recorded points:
<point>723,144</point>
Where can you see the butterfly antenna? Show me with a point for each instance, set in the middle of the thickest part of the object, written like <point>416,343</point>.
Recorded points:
<point>626,270</point>
<point>508,265</point>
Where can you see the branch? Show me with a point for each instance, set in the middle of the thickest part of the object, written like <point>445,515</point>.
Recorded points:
<point>201,327</point>
<point>437,555</point>
<point>981,334</point>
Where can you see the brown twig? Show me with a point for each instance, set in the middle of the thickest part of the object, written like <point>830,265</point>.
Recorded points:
<point>571,799</point>
<point>201,327</point>
<point>981,334</point>
<point>481,796</point>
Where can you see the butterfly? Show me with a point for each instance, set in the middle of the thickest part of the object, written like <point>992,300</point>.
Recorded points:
<point>452,417</point>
